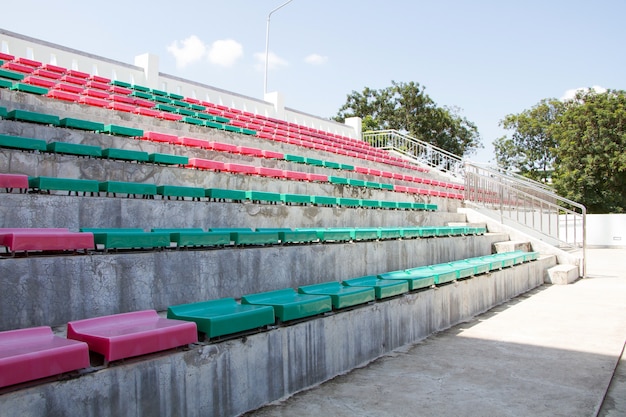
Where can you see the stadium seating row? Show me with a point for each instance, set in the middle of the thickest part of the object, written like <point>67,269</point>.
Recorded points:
<point>35,353</point>
<point>69,85</point>
<point>62,239</point>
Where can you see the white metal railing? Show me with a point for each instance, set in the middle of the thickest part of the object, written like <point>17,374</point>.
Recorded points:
<point>416,150</point>
<point>559,221</point>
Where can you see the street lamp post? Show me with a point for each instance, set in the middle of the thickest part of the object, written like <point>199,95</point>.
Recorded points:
<point>267,41</point>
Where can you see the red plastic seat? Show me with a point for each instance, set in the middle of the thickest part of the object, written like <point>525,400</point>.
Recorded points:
<point>73,80</point>
<point>38,81</point>
<point>53,68</point>
<point>317,177</point>
<point>200,163</point>
<point>14,66</point>
<point>97,85</point>
<point>11,181</point>
<point>141,102</point>
<point>34,353</point>
<point>224,147</point>
<point>197,143</point>
<point>245,150</point>
<point>296,175</point>
<point>270,172</point>
<point>116,89</point>
<point>99,79</point>
<point>71,88</point>
<point>401,188</point>
<point>132,334</point>
<point>45,240</point>
<point>159,137</point>
<point>362,170</point>
<point>44,73</point>
<point>147,112</point>
<point>93,101</point>
<point>272,155</point>
<point>63,95</point>
<point>93,92</point>
<point>121,99</point>
<point>129,108</point>
<point>240,168</point>
<point>170,116</point>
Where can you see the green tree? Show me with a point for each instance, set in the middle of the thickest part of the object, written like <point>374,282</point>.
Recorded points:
<point>407,108</point>
<point>531,149</point>
<point>590,166</point>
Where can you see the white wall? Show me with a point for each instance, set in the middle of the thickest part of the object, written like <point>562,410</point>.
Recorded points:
<point>606,230</point>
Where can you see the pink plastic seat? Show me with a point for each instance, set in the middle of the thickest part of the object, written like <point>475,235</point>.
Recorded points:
<point>39,82</point>
<point>46,240</point>
<point>14,181</point>
<point>196,143</point>
<point>63,95</point>
<point>73,80</point>
<point>224,147</point>
<point>170,116</point>
<point>70,88</point>
<point>273,155</point>
<point>201,163</point>
<point>270,172</point>
<point>34,353</point>
<point>240,168</point>
<point>119,98</point>
<point>126,335</point>
<point>93,92</point>
<point>129,108</point>
<point>93,101</point>
<point>296,175</point>
<point>44,73</point>
<point>159,137</point>
<point>317,177</point>
<point>245,150</point>
<point>147,112</point>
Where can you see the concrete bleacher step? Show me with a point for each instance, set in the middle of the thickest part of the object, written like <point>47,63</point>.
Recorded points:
<point>562,274</point>
<point>512,245</point>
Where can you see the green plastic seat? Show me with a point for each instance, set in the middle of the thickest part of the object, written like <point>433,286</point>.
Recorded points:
<point>3,111</point>
<point>128,238</point>
<point>29,88</point>
<point>121,84</point>
<point>122,131</point>
<point>74,149</point>
<point>231,128</point>
<point>5,83</point>
<point>168,159</point>
<point>125,154</point>
<point>180,103</point>
<point>165,107</point>
<point>383,288</point>
<point>175,96</point>
<point>196,237</point>
<point>349,202</point>
<point>221,194</point>
<point>294,158</point>
<point>158,92</point>
<point>224,316</point>
<point>180,192</point>
<point>341,296</point>
<point>302,199</point>
<point>72,185</point>
<point>411,232</point>
<point>215,125</point>
<point>390,233</point>
<point>371,203</point>
<point>389,205</point>
<point>197,107</point>
<point>330,235</point>
<point>415,281</point>
<point>356,183</point>
<point>25,144</point>
<point>33,117</point>
<point>246,236</point>
<point>247,131</point>
<point>192,121</point>
<point>128,188</point>
<point>263,196</point>
<point>81,124</point>
<point>11,75</point>
<point>442,273</point>
<point>419,206</point>
<point>290,305</point>
<point>287,235</point>
<point>314,161</point>
<point>332,165</point>
<point>365,233</point>
<point>338,180</point>
<point>324,200</point>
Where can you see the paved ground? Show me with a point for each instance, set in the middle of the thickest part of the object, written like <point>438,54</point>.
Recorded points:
<point>551,352</point>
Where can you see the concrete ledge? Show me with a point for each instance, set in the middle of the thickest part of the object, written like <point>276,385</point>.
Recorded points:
<point>236,376</point>
<point>562,274</point>
<point>512,245</point>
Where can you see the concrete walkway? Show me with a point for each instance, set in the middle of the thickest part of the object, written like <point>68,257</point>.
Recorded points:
<point>550,352</point>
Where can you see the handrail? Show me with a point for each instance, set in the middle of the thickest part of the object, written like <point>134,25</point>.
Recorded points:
<point>556,218</point>
<point>416,150</point>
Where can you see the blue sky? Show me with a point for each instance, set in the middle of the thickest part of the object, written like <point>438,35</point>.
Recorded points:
<point>486,58</point>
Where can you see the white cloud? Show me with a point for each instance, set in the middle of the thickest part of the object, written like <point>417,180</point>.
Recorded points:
<point>187,51</point>
<point>225,52</point>
<point>315,59</point>
<point>273,61</point>
<point>570,94</point>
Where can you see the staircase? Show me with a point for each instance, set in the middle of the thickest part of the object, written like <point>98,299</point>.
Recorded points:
<point>528,206</point>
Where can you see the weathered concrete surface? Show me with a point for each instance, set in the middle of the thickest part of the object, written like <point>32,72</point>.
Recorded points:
<point>562,274</point>
<point>550,352</point>
<point>52,290</point>
<point>230,378</point>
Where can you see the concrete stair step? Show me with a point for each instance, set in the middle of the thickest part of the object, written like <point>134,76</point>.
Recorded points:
<point>562,274</point>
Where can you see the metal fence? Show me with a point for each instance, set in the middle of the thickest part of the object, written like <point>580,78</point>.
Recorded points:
<point>416,150</point>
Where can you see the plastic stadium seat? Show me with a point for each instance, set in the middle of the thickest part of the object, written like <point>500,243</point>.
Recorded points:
<point>74,149</point>
<point>296,175</point>
<point>220,194</point>
<point>207,164</point>
<point>290,305</point>
<point>63,95</point>
<point>14,181</point>
<point>341,295</point>
<point>223,316</point>
<point>224,147</point>
<point>81,124</point>
<point>415,281</point>
<point>26,144</point>
<point>34,353</point>
<point>38,81</point>
<point>33,117</point>
<point>196,237</point>
<point>240,168</point>
<point>128,238</point>
<point>317,177</point>
<point>180,192</point>
<point>128,188</point>
<point>198,143</point>
<point>93,101</point>
<point>383,288</point>
<point>159,137</point>
<point>270,172</point>
<point>72,185</point>
<point>126,335</point>
<point>25,240</point>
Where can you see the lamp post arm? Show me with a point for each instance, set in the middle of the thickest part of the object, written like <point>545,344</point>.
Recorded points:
<point>267,41</point>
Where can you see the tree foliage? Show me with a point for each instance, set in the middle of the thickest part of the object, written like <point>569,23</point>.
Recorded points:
<point>531,148</point>
<point>583,140</point>
<point>590,165</point>
<point>407,108</point>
